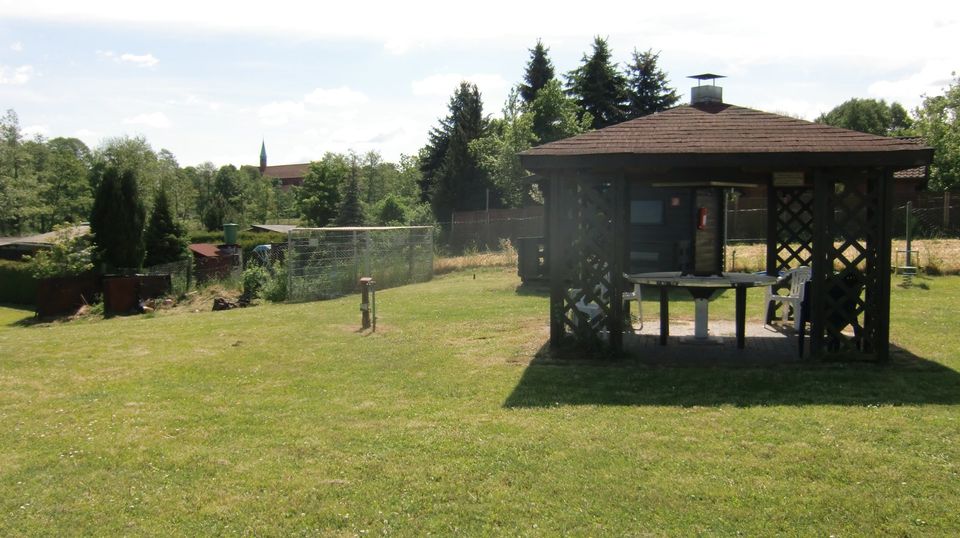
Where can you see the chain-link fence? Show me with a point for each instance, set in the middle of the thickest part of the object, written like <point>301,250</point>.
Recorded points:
<point>181,275</point>
<point>323,263</point>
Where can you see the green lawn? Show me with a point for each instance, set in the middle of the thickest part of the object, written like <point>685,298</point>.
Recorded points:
<point>282,420</point>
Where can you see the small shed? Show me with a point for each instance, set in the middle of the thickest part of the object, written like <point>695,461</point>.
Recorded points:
<point>829,197</point>
<point>214,261</point>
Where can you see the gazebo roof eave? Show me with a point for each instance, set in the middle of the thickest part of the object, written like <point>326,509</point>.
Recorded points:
<point>901,159</point>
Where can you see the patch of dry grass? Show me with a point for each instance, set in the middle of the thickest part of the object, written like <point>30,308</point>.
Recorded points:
<point>937,256</point>
<point>505,257</point>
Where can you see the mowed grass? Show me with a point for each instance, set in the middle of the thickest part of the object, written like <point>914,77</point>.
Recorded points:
<point>284,420</point>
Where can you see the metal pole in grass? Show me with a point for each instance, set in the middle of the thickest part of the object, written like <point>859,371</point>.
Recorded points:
<point>366,286</point>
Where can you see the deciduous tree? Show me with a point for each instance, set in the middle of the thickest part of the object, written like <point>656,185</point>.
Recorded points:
<point>319,196</point>
<point>938,123</point>
<point>868,116</point>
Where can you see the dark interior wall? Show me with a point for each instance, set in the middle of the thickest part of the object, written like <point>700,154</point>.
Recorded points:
<point>660,228</point>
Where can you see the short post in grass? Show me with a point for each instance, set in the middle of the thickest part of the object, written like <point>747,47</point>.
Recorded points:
<point>366,291</point>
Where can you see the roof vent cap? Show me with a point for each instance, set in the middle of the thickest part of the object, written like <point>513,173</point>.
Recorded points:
<point>706,94</point>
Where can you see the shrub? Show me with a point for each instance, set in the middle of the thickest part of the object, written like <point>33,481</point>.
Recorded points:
<point>255,278</point>
<point>69,255</point>
<point>275,289</point>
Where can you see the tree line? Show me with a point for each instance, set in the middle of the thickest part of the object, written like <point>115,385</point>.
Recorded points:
<point>936,121</point>
<point>470,160</point>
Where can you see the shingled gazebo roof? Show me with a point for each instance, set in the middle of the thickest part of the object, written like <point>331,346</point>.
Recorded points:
<point>713,133</point>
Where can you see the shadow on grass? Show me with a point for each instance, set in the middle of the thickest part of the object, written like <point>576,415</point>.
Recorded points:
<point>906,380</point>
<point>541,288</point>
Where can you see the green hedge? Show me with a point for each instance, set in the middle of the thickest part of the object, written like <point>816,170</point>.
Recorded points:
<point>17,285</point>
<point>247,240</point>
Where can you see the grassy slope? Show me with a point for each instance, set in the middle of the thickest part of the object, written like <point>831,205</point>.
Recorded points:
<point>282,420</point>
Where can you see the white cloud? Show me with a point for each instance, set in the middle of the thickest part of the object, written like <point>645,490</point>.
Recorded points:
<point>16,46</point>
<point>806,110</point>
<point>15,76</point>
<point>443,85</point>
<point>342,96</point>
<point>755,27</point>
<point>85,133</point>
<point>931,79</point>
<point>140,60</point>
<point>34,130</point>
<point>156,120</point>
<point>280,112</point>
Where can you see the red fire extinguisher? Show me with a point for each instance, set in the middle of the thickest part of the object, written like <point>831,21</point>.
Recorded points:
<point>702,218</point>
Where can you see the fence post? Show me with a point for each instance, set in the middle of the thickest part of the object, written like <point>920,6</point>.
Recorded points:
<point>410,240</point>
<point>946,209</point>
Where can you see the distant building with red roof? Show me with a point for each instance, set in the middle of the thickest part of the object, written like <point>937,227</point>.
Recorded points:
<point>288,174</point>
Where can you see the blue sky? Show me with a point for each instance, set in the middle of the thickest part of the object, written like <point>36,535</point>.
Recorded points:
<point>208,80</point>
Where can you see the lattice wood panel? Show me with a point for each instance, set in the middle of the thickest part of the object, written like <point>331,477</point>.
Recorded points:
<point>588,259</point>
<point>792,234</point>
<point>852,259</point>
<point>794,227</point>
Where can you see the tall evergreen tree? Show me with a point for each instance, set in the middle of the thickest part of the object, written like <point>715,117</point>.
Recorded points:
<point>351,212</point>
<point>539,72</point>
<point>452,179</point>
<point>647,89</point>
<point>598,87</point>
<point>117,219</point>
<point>164,237</point>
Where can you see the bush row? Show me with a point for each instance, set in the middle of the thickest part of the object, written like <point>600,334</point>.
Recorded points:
<point>17,285</point>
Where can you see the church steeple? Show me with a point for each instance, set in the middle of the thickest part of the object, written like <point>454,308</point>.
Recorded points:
<point>263,157</point>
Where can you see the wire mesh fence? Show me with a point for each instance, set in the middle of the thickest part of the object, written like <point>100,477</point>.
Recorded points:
<point>323,263</point>
<point>181,275</point>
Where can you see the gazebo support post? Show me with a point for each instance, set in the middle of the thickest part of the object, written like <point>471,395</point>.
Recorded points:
<point>882,327</point>
<point>555,253</point>
<point>615,255</point>
<point>818,288</point>
<point>773,240</point>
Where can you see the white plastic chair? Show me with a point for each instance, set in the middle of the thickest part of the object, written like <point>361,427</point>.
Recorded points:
<point>592,309</point>
<point>798,278</point>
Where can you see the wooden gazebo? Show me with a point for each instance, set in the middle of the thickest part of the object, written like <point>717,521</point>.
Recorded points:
<point>829,207</point>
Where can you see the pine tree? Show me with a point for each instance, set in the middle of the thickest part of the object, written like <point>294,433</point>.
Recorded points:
<point>117,219</point>
<point>597,86</point>
<point>539,72</point>
<point>647,89</point>
<point>163,239</point>
<point>351,212</point>
<point>452,179</point>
